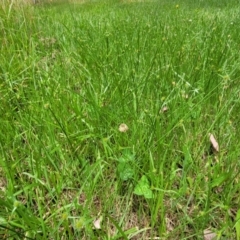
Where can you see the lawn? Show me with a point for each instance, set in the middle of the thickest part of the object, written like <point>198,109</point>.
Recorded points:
<point>120,120</point>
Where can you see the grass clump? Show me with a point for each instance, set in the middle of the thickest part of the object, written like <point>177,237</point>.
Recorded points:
<point>107,108</point>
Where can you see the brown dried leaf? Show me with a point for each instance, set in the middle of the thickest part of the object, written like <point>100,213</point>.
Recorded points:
<point>214,143</point>
<point>209,235</point>
<point>169,224</point>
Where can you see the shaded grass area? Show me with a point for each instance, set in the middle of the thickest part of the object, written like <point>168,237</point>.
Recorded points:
<point>71,74</point>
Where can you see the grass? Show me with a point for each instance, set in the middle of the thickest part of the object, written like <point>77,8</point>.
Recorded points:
<point>70,74</point>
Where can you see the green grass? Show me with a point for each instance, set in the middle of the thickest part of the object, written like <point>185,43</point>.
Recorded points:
<point>70,74</point>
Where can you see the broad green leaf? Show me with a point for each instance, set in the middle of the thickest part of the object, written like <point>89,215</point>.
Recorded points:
<point>219,180</point>
<point>3,220</point>
<point>125,171</point>
<point>143,188</point>
<point>126,157</point>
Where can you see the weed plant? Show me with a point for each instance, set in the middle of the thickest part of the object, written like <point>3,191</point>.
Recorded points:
<point>71,74</point>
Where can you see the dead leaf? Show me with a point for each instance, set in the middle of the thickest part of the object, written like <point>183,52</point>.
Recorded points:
<point>169,224</point>
<point>97,223</point>
<point>209,235</point>
<point>214,143</point>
